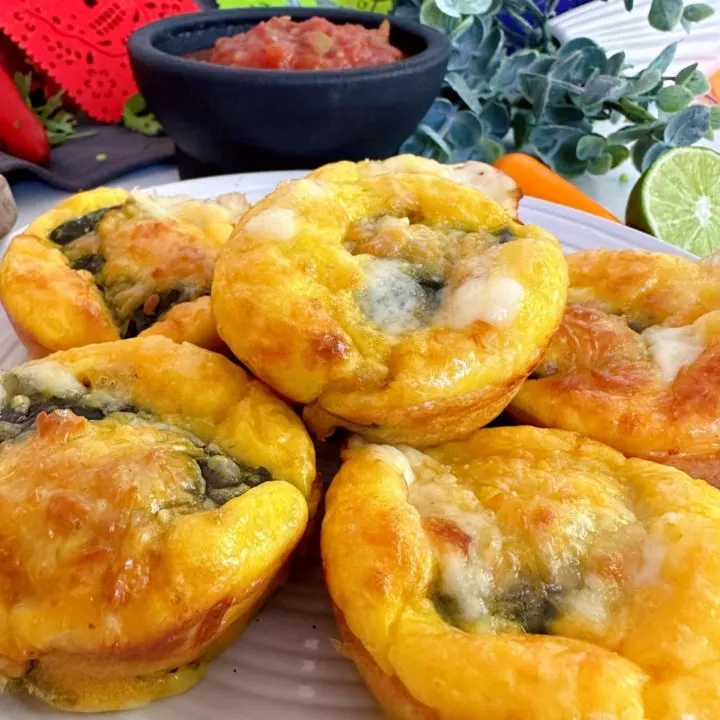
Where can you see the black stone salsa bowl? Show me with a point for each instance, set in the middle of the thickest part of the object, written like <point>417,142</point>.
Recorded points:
<point>226,119</point>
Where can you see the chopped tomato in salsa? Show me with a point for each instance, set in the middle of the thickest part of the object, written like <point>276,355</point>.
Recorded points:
<point>316,44</point>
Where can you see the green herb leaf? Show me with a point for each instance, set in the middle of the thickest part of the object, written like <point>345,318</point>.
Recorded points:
<point>615,64</point>
<point>663,60</point>
<point>602,88</point>
<point>685,74</point>
<point>697,12</point>
<point>522,125</point>
<point>600,164</point>
<point>629,133</point>
<point>697,84</point>
<point>652,154</point>
<point>590,147</point>
<point>639,149</point>
<point>136,116</point>
<point>618,153</point>
<point>467,94</point>
<point>688,126</point>
<point>673,98</point>
<point>432,16</point>
<point>459,8</point>
<point>643,83</point>
<point>665,14</point>
<point>635,112</point>
<point>715,118</point>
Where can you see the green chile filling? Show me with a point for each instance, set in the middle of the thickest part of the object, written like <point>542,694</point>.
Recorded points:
<point>222,477</point>
<point>138,320</point>
<point>532,605</point>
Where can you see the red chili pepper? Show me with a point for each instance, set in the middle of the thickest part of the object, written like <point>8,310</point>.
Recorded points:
<point>22,133</point>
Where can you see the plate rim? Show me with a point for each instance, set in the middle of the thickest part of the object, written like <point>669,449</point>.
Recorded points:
<point>527,203</point>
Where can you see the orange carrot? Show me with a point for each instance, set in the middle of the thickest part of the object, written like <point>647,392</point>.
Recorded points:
<point>715,85</point>
<point>539,181</point>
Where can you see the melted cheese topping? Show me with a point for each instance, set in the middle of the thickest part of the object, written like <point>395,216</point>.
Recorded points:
<point>393,298</point>
<point>494,577</point>
<point>273,224</point>
<point>48,378</point>
<point>674,348</point>
<point>496,301</point>
<point>396,459</point>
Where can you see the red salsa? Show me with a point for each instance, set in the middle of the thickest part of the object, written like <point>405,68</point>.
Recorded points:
<point>316,44</point>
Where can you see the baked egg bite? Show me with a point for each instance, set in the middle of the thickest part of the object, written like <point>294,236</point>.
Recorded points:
<point>494,183</point>
<point>405,307</point>
<point>526,573</point>
<point>107,264</point>
<point>636,361</point>
<point>151,494</point>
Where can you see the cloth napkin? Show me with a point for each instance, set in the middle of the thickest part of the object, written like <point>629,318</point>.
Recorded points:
<point>90,161</point>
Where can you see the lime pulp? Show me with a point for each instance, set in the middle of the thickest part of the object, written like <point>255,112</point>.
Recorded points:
<point>678,200</point>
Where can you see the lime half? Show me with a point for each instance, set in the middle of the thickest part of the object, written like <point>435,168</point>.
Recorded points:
<point>678,200</point>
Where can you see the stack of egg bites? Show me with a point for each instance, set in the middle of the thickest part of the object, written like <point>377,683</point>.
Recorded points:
<point>153,491</point>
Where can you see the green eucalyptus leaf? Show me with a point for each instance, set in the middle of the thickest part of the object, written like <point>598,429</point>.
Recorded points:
<point>495,119</point>
<point>697,12</point>
<point>567,115</point>
<point>440,115</point>
<point>685,74</point>
<point>601,88</point>
<point>615,64</point>
<point>416,144</point>
<point>665,14</point>
<point>433,17</point>
<point>601,164</point>
<point>549,138</point>
<point>564,66</point>
<point>618,153</point>
<point>541,65</point>
<point>576,44</point>
<point>635,112</point>
<point>652,154</point>
<point>686,25</point>
<point>565,161</point>
<point>630,133</point>
<point>467,94</point>
<point>698,84</point>
<point>522,125</point>
<point>628,5</point>
<point>459,8</point>
<point>643,83</point>
<point>715,118</point>
<point>639,149</point>
<point>688,126</point>
<point>663,60</point>
<point>489,150</point>
<point>437,139</point>
<point>674,98</point>
<point>535,88</point>
<point>464,131</point>
<point>506,80</point>
<point>590,147</point>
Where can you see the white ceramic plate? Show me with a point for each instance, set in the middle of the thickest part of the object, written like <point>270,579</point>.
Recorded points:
<point>286,666</point>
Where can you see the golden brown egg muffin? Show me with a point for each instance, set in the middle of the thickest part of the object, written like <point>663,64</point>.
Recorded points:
<point>405,307</point>
<point>107,264</point>
<point>489,180</point>
<point>526,573</point>
<point>636,361</point>
<point>150,496</point>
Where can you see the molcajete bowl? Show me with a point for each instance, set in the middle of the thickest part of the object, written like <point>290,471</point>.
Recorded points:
<point>226,119</point>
